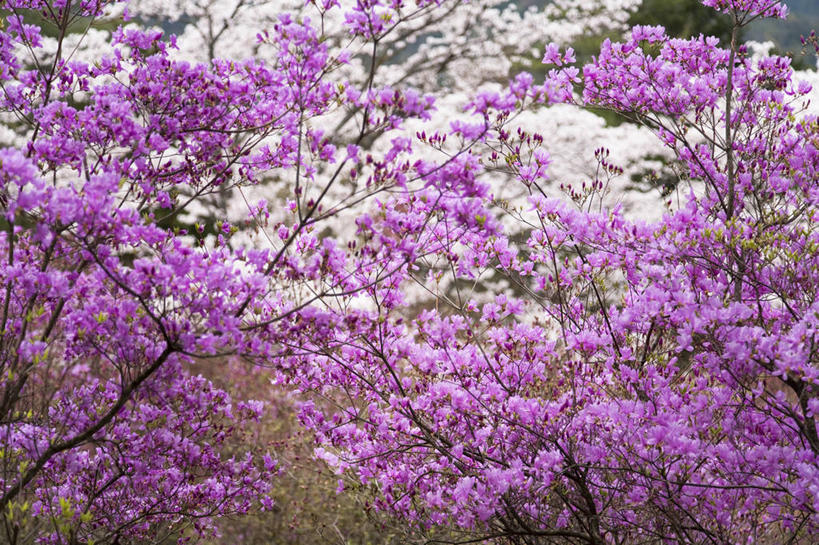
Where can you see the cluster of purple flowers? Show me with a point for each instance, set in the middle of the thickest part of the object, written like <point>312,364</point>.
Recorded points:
<point>544,370</point>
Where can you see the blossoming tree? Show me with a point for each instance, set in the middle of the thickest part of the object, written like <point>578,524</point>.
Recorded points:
<point>108,433</point>
<point>638,382</point>
<point>540,371</point>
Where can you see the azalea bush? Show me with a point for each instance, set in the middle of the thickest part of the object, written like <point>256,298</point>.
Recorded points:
<point>635,381</point>
<point>109,433</point>
<point>541,369</point>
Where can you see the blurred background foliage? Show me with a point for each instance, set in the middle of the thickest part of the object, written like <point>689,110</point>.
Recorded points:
<point>803,18</point>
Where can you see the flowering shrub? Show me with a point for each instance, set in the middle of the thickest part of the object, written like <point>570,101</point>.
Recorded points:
<point>547,371</point>
<point>636,381</point>
<point>108,433</point>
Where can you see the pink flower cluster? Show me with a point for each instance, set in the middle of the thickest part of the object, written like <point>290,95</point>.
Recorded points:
<point>750,8</point>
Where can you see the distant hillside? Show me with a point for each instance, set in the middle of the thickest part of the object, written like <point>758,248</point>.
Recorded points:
<point>804,6</point>
<point>804,17</point>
